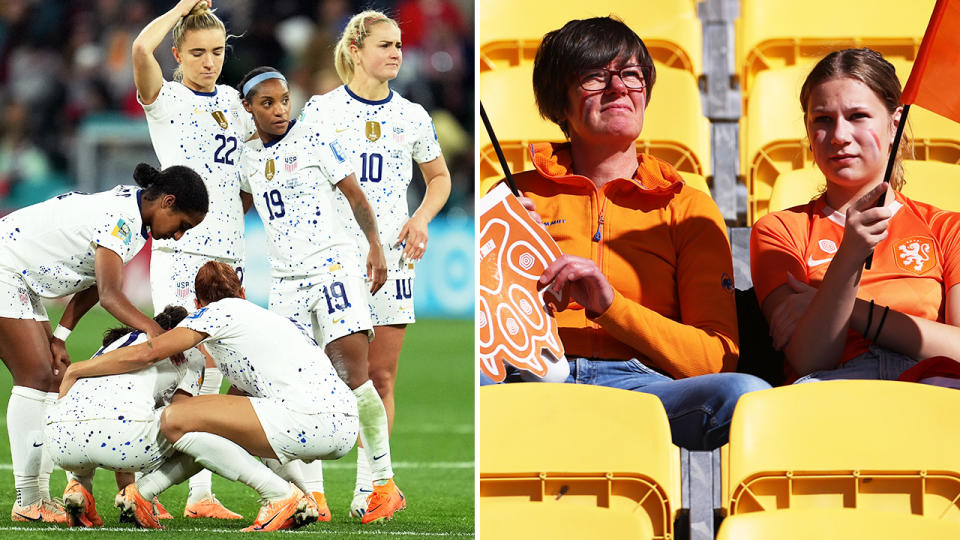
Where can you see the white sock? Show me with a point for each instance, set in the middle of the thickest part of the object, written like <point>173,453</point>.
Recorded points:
<point>374,433</point>
<point>364,480</point>
<point>291,472</point>
<point>173,471</point>
<point>201,484</point>
<point>46,460</point>
<point>26,416</point>
<point>231,461</point>
<point>312,475</point>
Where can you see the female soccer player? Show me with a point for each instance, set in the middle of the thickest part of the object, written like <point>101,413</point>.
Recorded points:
<point>297,410</point>
<point>194,122</point>
<point>291,170</point>
<point>113,422</point>
<point>382,134</point>
<point>833,318</point>
<point>74,243</point>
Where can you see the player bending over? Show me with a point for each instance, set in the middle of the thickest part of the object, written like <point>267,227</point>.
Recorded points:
<point>113,422</point>
<point>292,410</point>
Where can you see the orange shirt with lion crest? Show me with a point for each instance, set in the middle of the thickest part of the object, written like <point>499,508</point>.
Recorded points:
<point>912,268</point>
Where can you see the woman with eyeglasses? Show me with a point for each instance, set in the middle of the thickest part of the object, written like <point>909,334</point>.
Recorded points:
<point>646,260</point>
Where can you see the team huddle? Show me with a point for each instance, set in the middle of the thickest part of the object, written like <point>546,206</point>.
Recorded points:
<point>310,376</point>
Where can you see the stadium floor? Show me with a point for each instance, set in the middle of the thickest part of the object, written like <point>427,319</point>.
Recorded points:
<point>432,445</point>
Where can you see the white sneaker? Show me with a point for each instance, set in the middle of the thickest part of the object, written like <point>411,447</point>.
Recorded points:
<point>358,506</point>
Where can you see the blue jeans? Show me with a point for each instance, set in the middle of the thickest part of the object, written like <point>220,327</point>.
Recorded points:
<point>699,408</point>
<point>877,363</point>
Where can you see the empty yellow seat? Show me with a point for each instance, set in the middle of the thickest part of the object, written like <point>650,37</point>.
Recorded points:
<point>509,32</point>
<point>778,34</point>
<point>927,181</point>
<point>875,445</point>
<point>833,524</point>
<point>674,128</point>
<point>575,453</point>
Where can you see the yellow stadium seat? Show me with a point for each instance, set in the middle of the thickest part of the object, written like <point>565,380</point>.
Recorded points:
<point>833,524</point>
<point>509,32</point>
<point>574,458</point>
<point>927,181</point>
<point>674,128</point>
<point>874,445</point>
<point>777,34</point>
<point>773,137</point>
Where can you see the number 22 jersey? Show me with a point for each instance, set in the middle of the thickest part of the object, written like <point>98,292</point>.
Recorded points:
<point>204,131</point>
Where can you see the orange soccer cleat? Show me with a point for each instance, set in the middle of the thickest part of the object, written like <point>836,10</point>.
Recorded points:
<point>385,501</point>
<point>160,510</point>
<point>289,512</point>
<point>209,507</point>
<point>323,510</point>
<point>80,507</point>
<point>134,508</point>
<point>46,511</point>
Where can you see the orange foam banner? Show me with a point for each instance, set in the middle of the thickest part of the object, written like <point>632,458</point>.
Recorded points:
<point>514,324</point>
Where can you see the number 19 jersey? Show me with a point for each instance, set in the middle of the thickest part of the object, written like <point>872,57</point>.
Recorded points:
<point>204,131</point>
<point>293,181</point>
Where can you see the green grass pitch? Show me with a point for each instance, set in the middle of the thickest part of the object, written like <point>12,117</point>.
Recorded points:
<point>432,446</point>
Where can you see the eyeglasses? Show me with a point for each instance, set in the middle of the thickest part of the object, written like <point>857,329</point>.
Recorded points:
<point>633,77</point>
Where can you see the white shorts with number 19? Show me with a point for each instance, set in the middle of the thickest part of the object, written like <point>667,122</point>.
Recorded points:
<point>329,306</point>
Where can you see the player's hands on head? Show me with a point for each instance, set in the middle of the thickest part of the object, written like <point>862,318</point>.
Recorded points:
<point>866,225</point>
<point>786,316</point>
<point>413,236</point>
<point>376,268</point>
<point>583,281</point>
<point>186,6</point>
<point>531,208</point>
<point>153,329</point>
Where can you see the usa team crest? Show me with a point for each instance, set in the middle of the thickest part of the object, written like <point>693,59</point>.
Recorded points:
<point>372,130</point>
<point>270,169</point>
<point>221,119</point>
<point>290,164</point>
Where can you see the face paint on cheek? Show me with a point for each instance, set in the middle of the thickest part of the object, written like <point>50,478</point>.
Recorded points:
<point>876,139</point>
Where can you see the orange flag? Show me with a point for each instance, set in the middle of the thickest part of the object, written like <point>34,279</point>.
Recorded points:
<point>514,324</point>
<point>933,80</point>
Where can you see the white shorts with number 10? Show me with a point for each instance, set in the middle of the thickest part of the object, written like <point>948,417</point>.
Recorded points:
<point>329,305</point>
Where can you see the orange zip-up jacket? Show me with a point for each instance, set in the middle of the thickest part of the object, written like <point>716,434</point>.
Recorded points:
<point>662,246</point>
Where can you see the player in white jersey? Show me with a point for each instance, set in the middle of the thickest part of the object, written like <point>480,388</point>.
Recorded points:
<point>195,122</point>
<point>297,410</point>
<point>295,171</point>
<point>73,244</point>
<point>382,134</point>
<point>113,422</point>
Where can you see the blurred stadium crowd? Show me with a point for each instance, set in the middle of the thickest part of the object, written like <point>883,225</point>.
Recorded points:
<point>65,64</point>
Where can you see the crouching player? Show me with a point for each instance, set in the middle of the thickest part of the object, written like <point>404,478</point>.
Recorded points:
<point>114,422</point>
<point>293,410</point>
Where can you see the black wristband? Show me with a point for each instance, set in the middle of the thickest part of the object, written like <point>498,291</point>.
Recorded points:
<point>866,331</point>
<point>880,326</point>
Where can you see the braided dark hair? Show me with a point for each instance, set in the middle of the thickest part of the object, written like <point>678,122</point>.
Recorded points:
<point>181,182</point>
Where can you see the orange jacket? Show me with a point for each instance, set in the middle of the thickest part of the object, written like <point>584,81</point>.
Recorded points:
<point>663,247</point>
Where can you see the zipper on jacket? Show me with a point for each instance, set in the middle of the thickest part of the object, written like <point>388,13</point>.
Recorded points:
<point>597,235</point>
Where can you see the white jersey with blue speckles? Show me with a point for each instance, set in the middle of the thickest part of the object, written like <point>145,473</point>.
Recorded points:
<point>51,245</point>
<point>204,131</point>
<point>382,139</point>
<point>131,396</point>
<point>293,181</point>
<point>267,355</point>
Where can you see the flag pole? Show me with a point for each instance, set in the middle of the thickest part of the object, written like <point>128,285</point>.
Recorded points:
<point>890,162</point>
<point>496,147</point>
